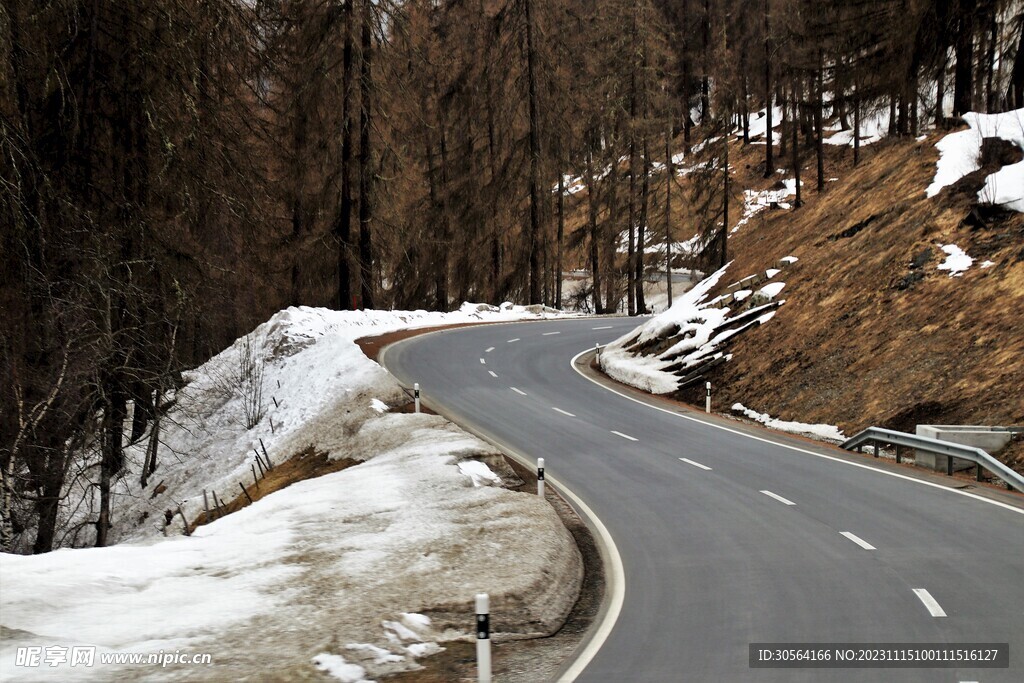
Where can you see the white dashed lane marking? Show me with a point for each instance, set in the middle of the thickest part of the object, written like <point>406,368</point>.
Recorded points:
<point>512,340</point>
<point>624,436</point>
<point>603,327</point>
<point>695,464</point>
<point>858,540</point>
<point>548,334</point>
<point>929,602</point>
<point>518,391</point>
<point>493,373</point>
<point>563,412</point>
<point>778,497</point>
<point>488,349</point>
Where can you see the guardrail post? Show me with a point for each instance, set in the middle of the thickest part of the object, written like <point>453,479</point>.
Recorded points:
<point>598,347</point>
<point>949,465</point>
<point>977,472</point>
<point>876,449</point>
<point>707,399</point>
<point>899,453</point>
<point>540,477</point>
<point>483,638</point>
<point>416,395</point>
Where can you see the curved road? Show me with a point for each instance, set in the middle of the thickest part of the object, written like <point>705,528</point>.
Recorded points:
<point>731,536</point>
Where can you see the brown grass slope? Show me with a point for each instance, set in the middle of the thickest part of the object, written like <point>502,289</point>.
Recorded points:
<point>872,333</point>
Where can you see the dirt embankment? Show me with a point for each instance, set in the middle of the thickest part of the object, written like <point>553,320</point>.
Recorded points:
<point>873,333</point>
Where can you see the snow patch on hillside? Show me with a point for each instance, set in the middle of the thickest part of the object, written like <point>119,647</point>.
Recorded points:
<point>957,261</point>
<point>960,155</point>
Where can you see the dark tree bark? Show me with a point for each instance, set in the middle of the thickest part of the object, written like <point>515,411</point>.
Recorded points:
<point>343,221</point>
<point>769,161</point>
<point>365,161</point>
<point>533,239</point>
<point>1015,90</point>
<point>963,85</point>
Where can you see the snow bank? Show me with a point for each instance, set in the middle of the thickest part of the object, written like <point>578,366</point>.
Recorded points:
<point>403,539</point>
<point>821,431</point>
<point>318,388</point>
<point>685,336</point>
<point>960,155</point>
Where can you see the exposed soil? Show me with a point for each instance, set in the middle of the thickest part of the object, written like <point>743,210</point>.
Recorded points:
<point>306,464</point>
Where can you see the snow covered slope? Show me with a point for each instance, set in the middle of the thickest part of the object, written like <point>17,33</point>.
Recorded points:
<point>363,571</point>
<point>689,336</point>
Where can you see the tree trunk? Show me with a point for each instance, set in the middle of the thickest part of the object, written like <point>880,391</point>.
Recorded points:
<point>365,163</point>
<point>723,251</point>
<point>856,127</point>
<point>962,84</point>
<point>795,145</point>
<point>769,161</point>
<point>559,240</point>
<point>819,133</point>
<point>1015,90</point>
<point>641,232</point>
<point>343,221</point>
<point>669,177</point>
<point>595,240</point>
<point>533,239</point>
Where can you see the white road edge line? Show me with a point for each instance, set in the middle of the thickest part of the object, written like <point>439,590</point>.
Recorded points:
<point>563,412</point>
<point>488,349</point>
<point>931,603</point>
<point>858,540</point>
<point>778,497</point>
<point>695,464</point>
<point>624,436</point>
<point>518,391</point>
<point>493,373</point>
<point>1019,511</point>
<point>548,334</point>
<point>603,327</point>
<point>615,571</point>
<point>512,340</point>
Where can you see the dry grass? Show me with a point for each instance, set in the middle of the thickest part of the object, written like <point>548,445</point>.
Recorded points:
<point>873,333</point>
<point>306,464</point>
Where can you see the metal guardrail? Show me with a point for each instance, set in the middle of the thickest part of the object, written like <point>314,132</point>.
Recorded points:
<point>878,436</point>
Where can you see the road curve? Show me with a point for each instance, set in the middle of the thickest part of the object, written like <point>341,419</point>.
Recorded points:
<point>728,540</point>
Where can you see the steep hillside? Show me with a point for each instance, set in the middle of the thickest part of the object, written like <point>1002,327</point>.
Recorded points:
<point>874,332</point>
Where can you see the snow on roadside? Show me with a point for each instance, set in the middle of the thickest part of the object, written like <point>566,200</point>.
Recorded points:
<point>649,372</point>
<point>960,155</point>
<point>336,667</point>
<point>318,387</point>
<point>821,431</point>
<point>335,559</point>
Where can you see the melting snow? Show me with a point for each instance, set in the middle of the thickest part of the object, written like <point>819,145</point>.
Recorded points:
<point>479,473</point>
<point>336,667</point>
<point>823,431</point>
<point>957,262</point>
<point>960,154</point>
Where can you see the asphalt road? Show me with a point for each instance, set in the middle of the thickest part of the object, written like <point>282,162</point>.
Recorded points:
<point>743,541</point>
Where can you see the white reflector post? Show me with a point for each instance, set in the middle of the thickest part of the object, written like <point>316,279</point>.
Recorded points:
<point>483,638</point>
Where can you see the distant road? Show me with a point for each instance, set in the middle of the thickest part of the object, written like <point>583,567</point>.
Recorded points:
<point>727,538</point>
